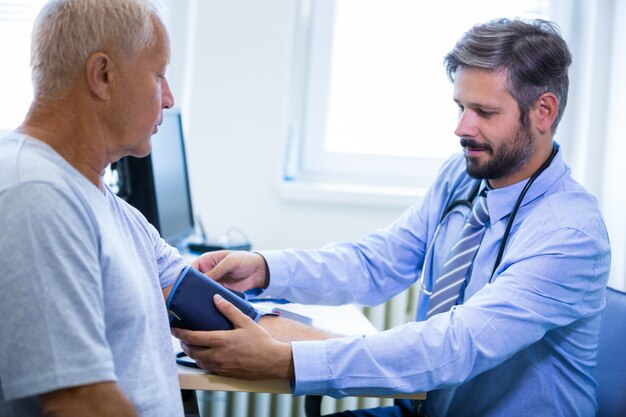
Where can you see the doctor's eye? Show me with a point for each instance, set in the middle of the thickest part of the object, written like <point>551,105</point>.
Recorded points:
<point>484,113</point>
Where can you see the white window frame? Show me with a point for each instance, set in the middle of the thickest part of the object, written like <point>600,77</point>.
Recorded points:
<point>16,19</point>
<point>310,172</point>
<point>15,32</point>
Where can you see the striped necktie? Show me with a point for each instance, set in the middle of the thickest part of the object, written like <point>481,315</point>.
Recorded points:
<point>447,288</point>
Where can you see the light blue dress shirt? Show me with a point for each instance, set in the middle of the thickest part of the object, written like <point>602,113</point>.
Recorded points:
<point>523,342</point>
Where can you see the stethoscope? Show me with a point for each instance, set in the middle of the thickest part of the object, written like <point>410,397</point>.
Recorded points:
<point>425,286</point>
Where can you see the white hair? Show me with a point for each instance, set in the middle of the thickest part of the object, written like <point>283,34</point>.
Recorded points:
<point>67,32</point>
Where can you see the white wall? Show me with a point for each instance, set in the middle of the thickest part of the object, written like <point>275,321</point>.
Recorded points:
<point>613,196</point>
<point>234,92</point>
<point>236,112</point>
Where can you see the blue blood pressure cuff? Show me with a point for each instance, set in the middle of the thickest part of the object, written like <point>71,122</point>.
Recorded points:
<point>191,306</point>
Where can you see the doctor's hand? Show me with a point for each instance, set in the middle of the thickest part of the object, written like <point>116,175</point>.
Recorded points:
<point>238,270</point>
<point>248,351</point>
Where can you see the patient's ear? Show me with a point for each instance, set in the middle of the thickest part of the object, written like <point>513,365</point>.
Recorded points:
<point>545,111</point>
<point>99,72</point>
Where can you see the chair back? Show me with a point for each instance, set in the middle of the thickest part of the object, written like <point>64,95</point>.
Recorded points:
<point>610,372</point>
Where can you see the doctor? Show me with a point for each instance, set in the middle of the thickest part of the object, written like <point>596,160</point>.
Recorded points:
<point>513,253</point>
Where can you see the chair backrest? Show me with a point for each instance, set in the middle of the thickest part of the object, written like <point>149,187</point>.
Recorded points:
<point>610,371</point>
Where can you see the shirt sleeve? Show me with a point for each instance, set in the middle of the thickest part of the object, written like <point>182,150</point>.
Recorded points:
<point>346,272</point>
<point>532,297</point>
<point>370,271</point>
<point>170,263</point>
<point>53,330</point>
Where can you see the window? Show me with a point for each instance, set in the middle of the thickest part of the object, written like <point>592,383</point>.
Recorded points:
<point>16,22</point>
<point>372,104</point>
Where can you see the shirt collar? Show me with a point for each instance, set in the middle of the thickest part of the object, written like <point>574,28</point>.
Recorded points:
<point>500,202</point>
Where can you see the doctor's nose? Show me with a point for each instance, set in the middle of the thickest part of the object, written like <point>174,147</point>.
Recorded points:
<point>466,126</point>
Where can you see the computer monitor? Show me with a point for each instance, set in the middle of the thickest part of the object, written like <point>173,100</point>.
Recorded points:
<point>158,185</point>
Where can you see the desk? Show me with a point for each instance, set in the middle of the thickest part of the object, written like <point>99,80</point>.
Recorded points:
<point>346,319</point>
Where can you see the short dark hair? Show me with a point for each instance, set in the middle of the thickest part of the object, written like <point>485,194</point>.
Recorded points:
<point>533,54</point>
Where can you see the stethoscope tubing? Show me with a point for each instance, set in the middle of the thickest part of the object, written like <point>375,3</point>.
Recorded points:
<point>426,286</point>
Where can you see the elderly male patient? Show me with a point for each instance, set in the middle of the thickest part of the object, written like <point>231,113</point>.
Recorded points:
<point>83,275</point>
<point>84,329</point>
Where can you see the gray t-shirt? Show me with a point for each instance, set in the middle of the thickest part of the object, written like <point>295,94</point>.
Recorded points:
<point>81,274</point>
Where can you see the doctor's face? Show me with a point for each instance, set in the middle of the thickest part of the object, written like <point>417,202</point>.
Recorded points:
<point>497,145</point>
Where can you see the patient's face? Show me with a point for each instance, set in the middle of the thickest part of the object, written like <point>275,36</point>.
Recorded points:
<point>142,92</point>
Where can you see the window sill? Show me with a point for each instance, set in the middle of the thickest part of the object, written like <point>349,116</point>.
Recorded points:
<point>357,194</point>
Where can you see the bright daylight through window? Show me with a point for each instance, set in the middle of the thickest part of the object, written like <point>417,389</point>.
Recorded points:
<point>373,104</point>
<point>16,21</point>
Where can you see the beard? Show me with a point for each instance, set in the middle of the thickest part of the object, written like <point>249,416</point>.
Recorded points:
<point>505,160</point>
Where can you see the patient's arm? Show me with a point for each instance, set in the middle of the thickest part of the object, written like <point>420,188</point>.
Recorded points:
<point>166,291</point>
<point>251,350</point>
<point>103,399</point>
<point>286,330</point>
